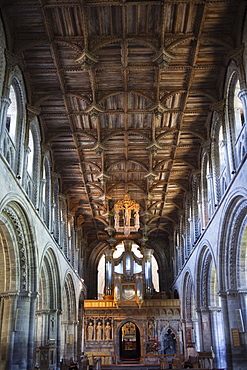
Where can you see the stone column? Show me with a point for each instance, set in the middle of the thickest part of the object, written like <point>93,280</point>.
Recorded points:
<point>206,329</point>
<point>59,314</point>
<point>238,353</point>
<point>211,199</point>
<point>5,103</point>
<point>243,305</point>
<point>218,337</point>
<point>191,234</point>
<point>183,328</point>
<point>223,298</point>
<point>189,338</point>
<point>243,97</point>
<point>31,330</point>
<point>21,334</point>
<point>199,330</point>
<point>75,339</point>
<point>179,264</point>
<point>8,304</point>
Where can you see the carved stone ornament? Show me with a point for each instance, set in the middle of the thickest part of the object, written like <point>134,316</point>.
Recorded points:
<point>21,245</point>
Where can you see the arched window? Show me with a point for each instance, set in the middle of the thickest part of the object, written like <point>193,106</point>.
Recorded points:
<point>2,56</point>
<point>30,159</point>
<point>12,114</point>
<point>46,192</point>
<point>239,133</point>
<point>238,111</point>
<point>207,190</point>
<point>236,134</point>
<point>31,181</point>
<point>56,211</point>
<point>216,316</point>
<point>222,161</point>
<point>30,155</point>
<point>13,129</point>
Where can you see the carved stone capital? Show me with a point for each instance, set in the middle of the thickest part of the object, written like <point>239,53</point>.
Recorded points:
<point>12,60</point>
<point>5,101</point>
<point>218,106</point>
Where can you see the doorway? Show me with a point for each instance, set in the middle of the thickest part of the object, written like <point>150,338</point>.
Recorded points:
<point>129,342</point>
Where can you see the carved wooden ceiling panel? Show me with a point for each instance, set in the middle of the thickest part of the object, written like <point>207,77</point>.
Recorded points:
<point>125,91</point>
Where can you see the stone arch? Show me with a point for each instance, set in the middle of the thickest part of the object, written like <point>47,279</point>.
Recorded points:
<point>232,78</point>
<point>210,311</point>
<point>48,308</point>
<point>18,283</point>
<point>69,318</point>
<point>230,240</point>
<point>50,278</point>
<point>69,299</point>
<point>189,315</point>
<point>15,78</point>
<point>141,328</point>
<point>242,258</point>
<point>209,306</point>
<point>232,265</point>
<point>172,332</point>
<point>203,273</point>
<point>205,188</point>
<point>2,58</point>
<point>92,269</point>
<point>35,131</point>
<point>45,206</point>
<point>56,229</point>
<point>187,296</point>
<point>16,224</point>
<point>216,124</point>
<point>165,269</point>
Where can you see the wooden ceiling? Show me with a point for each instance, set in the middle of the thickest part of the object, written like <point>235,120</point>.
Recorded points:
<point>125,91</point>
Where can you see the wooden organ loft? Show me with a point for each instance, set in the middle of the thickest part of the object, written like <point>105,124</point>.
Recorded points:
<point>132,323</point>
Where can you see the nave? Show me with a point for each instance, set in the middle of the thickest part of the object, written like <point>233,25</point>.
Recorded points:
<point>123,172</point>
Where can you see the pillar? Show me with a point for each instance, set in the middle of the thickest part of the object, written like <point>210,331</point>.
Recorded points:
<point>5,103</point>
<point>21,331</point>
<point>8,304</point>
<point>206,329</point>
<point>243,97</point>
<point>31,330</point>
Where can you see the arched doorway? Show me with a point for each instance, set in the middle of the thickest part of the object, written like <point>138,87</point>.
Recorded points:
<point>129,342</point>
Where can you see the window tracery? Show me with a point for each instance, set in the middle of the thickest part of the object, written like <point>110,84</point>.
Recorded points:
<point>46,192</point>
